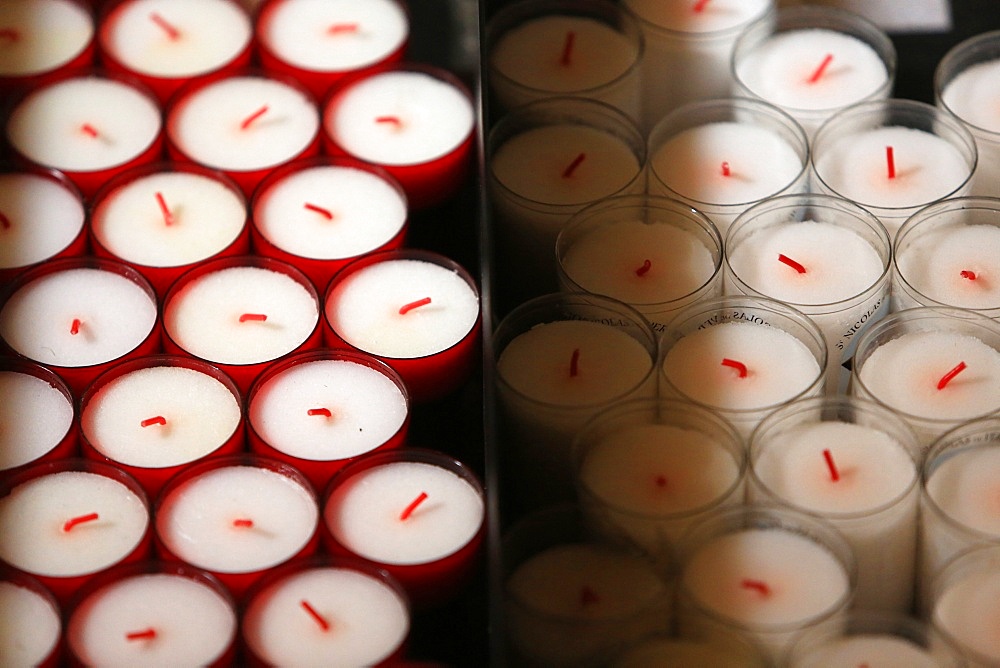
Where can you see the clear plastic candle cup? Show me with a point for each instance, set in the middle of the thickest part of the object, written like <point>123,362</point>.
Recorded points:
<point>965,599</point>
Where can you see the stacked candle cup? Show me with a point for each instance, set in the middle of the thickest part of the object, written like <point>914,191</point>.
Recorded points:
<point>180,185</point>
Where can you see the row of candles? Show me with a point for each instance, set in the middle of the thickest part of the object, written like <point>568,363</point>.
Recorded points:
<point>211,315</point>
<point>749,337</point>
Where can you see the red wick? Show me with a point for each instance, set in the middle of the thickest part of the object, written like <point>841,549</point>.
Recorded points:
<point>700,5</point>
<point>394,120</point>
<point>567,48</point>
<point>588,596</point>
<point>661,480</point>
<point>243,523</point>
<point>890,162</point>
<point>965,273</point>
<point>757,585</point>
<point>945,379</point>
<point>68,526</point>
<point>145,634</point>
<point>149,422</point>
<point>325,412</point>
<point>791,263</point>
<point>406,308</point>
<point>818,73</point>
<point>405,515</point>
<point>644,269</point>
<point>89,129</point>
<point>254,317</point>
<point>574,363</point>
<point>568,172</point>
<point>10,33</point>
<point>172,32</point>
<point>253,117</point>
<point>320,210</point>
<point>4,221</point>
<point>739,366</point>
<point>338,28</point>
<point>168,218</point>
<point>323,624</point>
<point>830,464</point>
<point>725,169</point>
<point>74,327</point>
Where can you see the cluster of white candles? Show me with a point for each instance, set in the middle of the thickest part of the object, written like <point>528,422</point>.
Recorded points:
<point>808,437</point>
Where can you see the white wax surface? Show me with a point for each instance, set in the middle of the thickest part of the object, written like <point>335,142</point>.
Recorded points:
<point>200,413</point>
<point>868,650</point>
<point>969,612</point>
<point>34,417</point>
<point>48,125</point>
<point>29,626</point>
<point>364,308</point>
<point>605,261</point>
<point>963,486</point>
<point>531,164</point>
<point>44,217</point>
<point>194,624</point>
<point>761,163</point>
<point>435,117</point>
<point>839,263</point>
<point>312,34</point>
<point>368,620</point>
<point>366,408</point>
<point>195,520</point>
<point>211,34</point>
<point>933,262</point>
<point>779,366</point>
<point>367,212</point>
<point>974,95</point>
<point>363,514</point>
<point>208,124</point>
<point>205,217</point>
<point>903,373</point>
<point>718,15</point>
<point>537,363</point>
<point>116,316</point>
<point>33,515</point>
<point>204,317</point>
<point>50,34</point>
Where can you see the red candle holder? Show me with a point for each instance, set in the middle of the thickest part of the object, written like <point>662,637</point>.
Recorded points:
<point>24,315</point>
<point>321,213</point>
<point>372,129</point>
<point>430,576</point>
<point>59,523</point>
<point>26,407</point>
<point>284,47</point>
<point>321,410</point>
<point>151,610</point>
<point>182,206</point>
<point>157,394</point>
<point>37,643</point>
<point>174,44</point>
<point>237,517</point>
<point>429,373</point>
<point>246,309</point>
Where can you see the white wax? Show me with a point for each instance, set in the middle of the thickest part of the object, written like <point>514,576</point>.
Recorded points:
<point>204,317</point>
<point>200,413</point>
<point>868,650</point>
<point>364,308</point>
<point>368,620</point>
<point>208,125</point>
<point>933,262</point>
<point>974,96</point>
<point>968,611</point>
<point>367,212</point>
<point>193,623</point>
<point>364,513</point>
<point>55,125</point>
<point>196,519</point>
<point>366,409</point>
<point>43,218</point>
<point>50,33</point>
<point>333,35</point>
<point>434,118</point>
<point>115,315</point>
<point>33,518</point>
<point>963,487</point>
<point>205,216</point>
<point>682,17</point>
<point>210,34</point>
<point>29,625</point>
<point>34,418</point>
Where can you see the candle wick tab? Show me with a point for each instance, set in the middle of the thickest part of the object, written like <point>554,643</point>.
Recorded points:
<point>158,419</point>
<point>89,130</point>
<point>644,269</point>
<point>831,465</point>
<point>567,49</point>
<point>574,363</point>
<point>818,72</point>
<point>389,120</point>
<point>171,30</point>
<point>735,364</point>
<point>253,117</point>
<point>10,33</point>
<point>661,481</point>
<point>700,5</point>
<point>145,634</point>
<point>82,519</point>
<point>405,515</point>
<point>756,585</point>
<point>588,596</point>
<point>243,523</point>
<point>947,378</point>
<point>4,221</point>
<point>726,171</point>
<point>568,172</point>
<point>74,327</point>
<point>406,308</point>
<point>890,162</point>
<point>325,412</point>
<point>965,273</point>
<point>318,618</point>
<point>168,218</point>
<point>791,263</point>
<point>326,213</point>
<point>253,317</point>
<point>341,28</point>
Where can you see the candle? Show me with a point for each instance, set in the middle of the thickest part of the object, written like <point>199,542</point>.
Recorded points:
<point>329,612</point>
<point>417,513</point>
<point>89,127</point>
<point>665,650</point>
<point>244,125</point>
<point>539,50</point>
<point>813,61</point>
<point>320,214</point>
<point>320,410</point>
<point>319,42</point>
<point>37,415</point>
<point>153,614</point>
<point>416,121</point>
<point>43,39</point>
<point>166,43</point>
<point>162,219</point>
<point>31,624</point>
<point>416,310</point>
<point>722,156</point>
<point>965,610</point>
